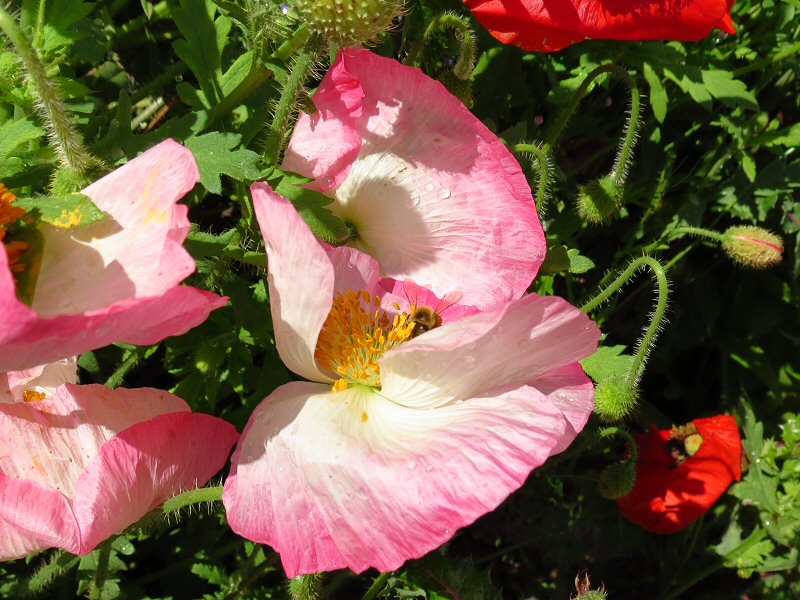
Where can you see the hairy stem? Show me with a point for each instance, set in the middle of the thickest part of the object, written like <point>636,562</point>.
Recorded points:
<point>541,162</point>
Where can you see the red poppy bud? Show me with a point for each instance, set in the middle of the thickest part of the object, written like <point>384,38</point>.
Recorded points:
<point>539,25</point>
<point>681,472</point>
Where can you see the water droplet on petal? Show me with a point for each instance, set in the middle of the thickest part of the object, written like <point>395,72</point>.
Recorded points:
<point>444,193</point>
<point>430,187</point>
<point>412,465</point>
<point>415,200</point>
<point>428,468</point>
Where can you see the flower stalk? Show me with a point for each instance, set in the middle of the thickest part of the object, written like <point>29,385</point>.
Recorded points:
<point>464,36</point>
<point>65,139</point>
<point>541,161</point>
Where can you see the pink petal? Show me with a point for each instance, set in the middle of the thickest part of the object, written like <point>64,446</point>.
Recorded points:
<point>435,196</point>
<point>27,340</point>
<point>301,281</point>
<point>52,441</point>
<point>15,544</point>
<point>143,466</point>
<point>134,253</point>
<point>43,379</point>
<point>40,514</point>
<point>512,345</point>
<point>354,270</point>
<point>353,480</point>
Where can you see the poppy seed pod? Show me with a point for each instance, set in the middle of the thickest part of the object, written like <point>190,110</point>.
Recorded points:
<point>349,22</point>
<point>753,247</point>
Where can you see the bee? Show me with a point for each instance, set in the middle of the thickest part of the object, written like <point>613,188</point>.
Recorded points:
<point>426,318</point>
<point>684,444</point>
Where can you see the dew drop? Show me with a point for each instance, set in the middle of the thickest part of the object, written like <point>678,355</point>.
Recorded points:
<point>561,396</point>
<point>470,346</point>
<point>412,465</point>
<point>430,187</point>
<point>428,468</point>
<point>444,193</point>
<point>767,523</point>
<point>285,9</point>
<point>415,200</point>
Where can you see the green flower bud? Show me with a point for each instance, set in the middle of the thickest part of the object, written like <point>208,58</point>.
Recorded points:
<point>753,247</point>
<point>584,588</point>
<point>617,480</point>
<point>615,399</point>
<point>599,200</point>
<point>349,22</point>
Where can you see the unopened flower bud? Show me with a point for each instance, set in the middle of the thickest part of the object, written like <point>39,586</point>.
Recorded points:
<point>615,399</point>
<point>584,588</point>
<point>753,247</point>
<point>599,200</point>
<point>349,22</point>
<point>617,480</point>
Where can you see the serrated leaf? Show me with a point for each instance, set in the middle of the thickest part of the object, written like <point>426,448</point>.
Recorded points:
<point>59,26</point>
<point>658,95</point>
<point>722,86</point>
<point>215,156</point>
<point>606,362</point>
<point>458,578</point>
<point>577,263</point>
<point>15,133</point>
<point>204,39</point>
<point>65,212</point>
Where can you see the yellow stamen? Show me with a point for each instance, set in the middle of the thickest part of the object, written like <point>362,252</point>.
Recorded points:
<point>33,396</point>
<point>9,214</point>
<point>356,334</point>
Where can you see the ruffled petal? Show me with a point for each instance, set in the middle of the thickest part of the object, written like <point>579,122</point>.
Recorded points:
<point>44,379</point>
<point>301,281</point>
<point>52,441</point>
<point>27,340</point>
<point>136,252</point>
<point>353,480</point>
<point>143,466</point>
<point>537,25</point>
<point>512,345</point>
<point>434,195</point>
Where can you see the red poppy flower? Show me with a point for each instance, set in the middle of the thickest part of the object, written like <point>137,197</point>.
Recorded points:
<point>548,25</point>
<point>681,472</point>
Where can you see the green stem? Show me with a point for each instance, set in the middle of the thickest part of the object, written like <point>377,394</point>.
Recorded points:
<point>698,231</point>
<point>541,161</point>
<point>610,431</point>
<point>619,171</point>
<point>147,113</point>
<point>760,65</point>
<point>60,562</point>
<point>196,496</point>
<point>554,133</point>
<point>376,587</point>
<point>38,36</point>
<point>293,44</point>
<point>464,37</point>
<point>301,66</point>
<point>101,571</point>
<point>306,587</point>
<point>643,347</point>
<point>130,361</point>
<point>66,140</point>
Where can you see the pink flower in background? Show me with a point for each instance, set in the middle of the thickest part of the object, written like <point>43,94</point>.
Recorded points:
<point>418,436</point>
<point>82,462</point>
<point>116,280</point>
<point>433,194</point>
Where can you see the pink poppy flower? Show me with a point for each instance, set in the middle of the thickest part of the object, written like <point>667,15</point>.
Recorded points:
<point>116,280</point>
<point>419,436</point>
<point>433,194</point>
<point>82,462</point>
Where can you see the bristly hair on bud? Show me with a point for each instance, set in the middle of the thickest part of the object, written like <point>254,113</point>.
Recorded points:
<point>349,22</point>
<point>617,479</point>
<point>584,588</point>
<point>615,398</point>
<point>753,247</point>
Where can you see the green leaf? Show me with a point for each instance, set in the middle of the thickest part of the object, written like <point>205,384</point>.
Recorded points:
<point>560,259</point>
<point>722,86</point>
<point>16,133</point>
<point>204,39</point>
<point>311,207</point>
<point>65,212</point>
<point>658,95</point>
<point>59,26</point>
<point>457,578</point>
<point>607,362</point>
<point>215,156</point>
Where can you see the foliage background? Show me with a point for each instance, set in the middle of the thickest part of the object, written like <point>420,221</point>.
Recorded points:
<point>717,146</point>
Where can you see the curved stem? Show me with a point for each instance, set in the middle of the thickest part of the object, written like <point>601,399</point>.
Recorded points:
<point>643,347</point>
<point>464,36</point>
<point>197,496</point>
<point>542,162</point>
<point>101,570</point>
<point>609,431</point>
<point>619,171</point>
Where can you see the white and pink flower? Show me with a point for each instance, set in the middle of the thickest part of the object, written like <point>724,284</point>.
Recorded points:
<point>433,194</point>
<point>116,280</point>
<point>400,440</point>
<point>79,463</point>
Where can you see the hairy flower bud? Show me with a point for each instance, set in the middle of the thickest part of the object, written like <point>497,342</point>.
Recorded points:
<point>615,399</point>
<point>349,22</point>
<point>599,200</point>
<point>617,479</point>
<point>753,247</point>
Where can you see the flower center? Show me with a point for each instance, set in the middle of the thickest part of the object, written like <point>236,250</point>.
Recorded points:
<point>356,334</point>
<point>684,442</point>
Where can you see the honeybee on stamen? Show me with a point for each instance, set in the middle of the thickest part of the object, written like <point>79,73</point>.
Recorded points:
<point>426,318</point>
